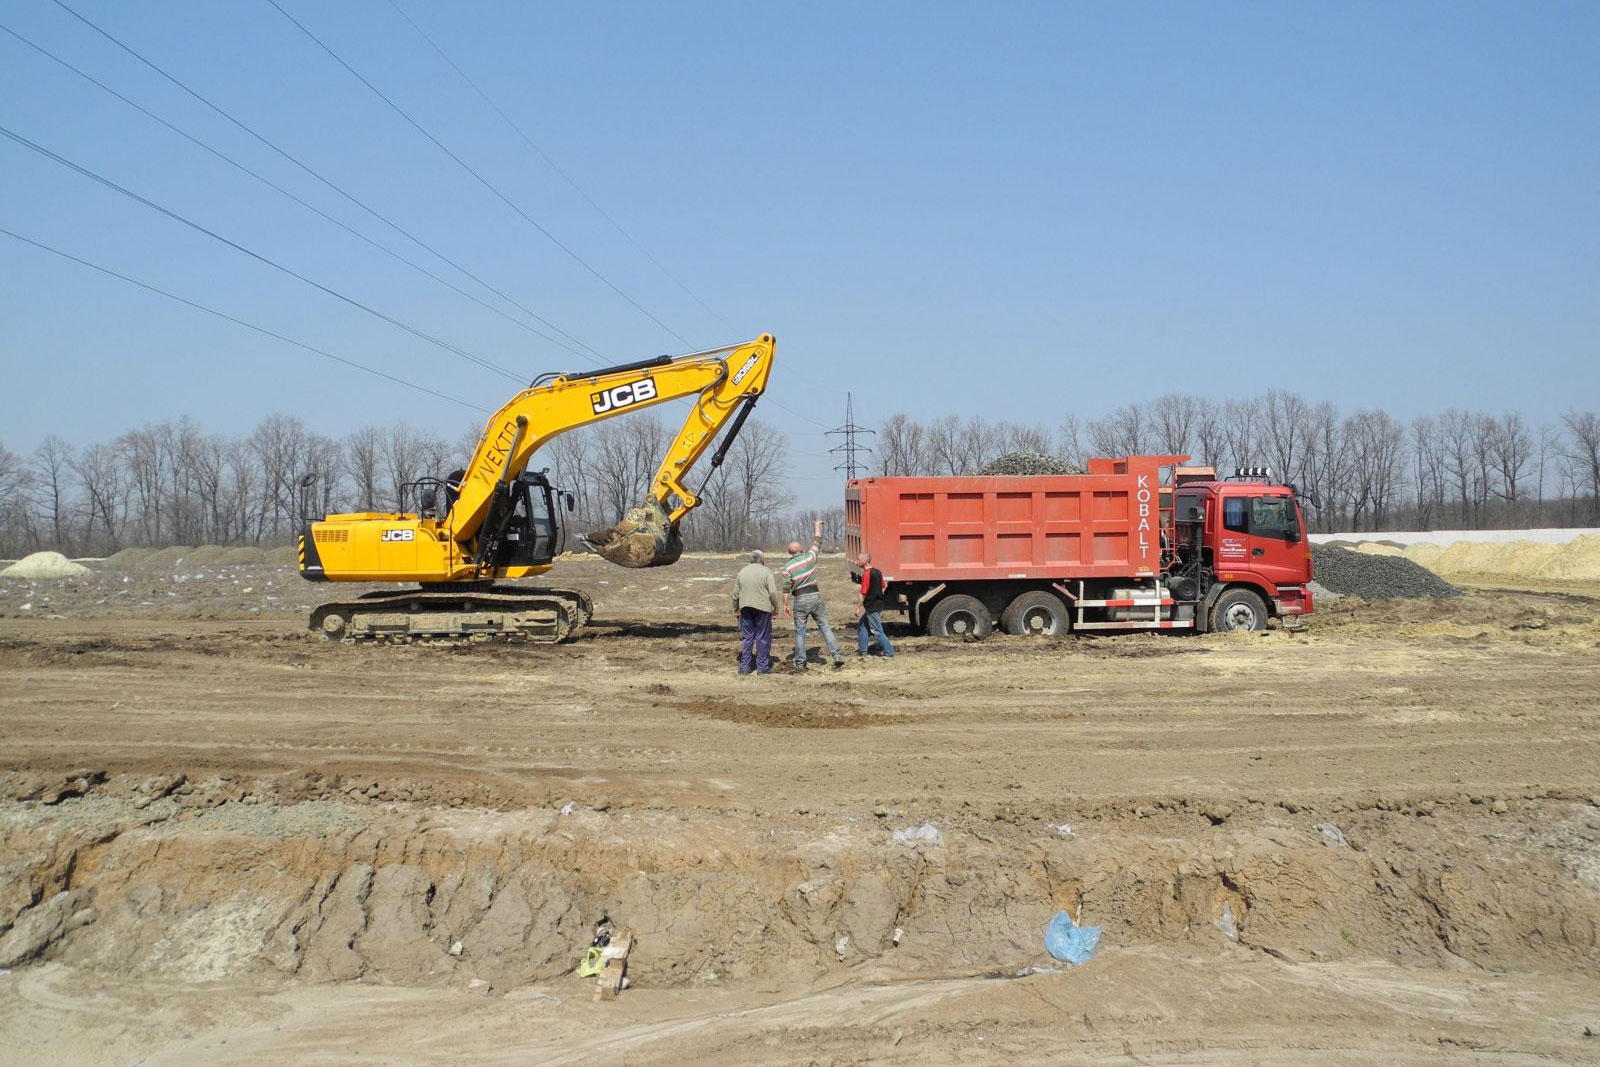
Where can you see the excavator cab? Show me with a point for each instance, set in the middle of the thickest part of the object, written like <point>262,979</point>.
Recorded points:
<point>524,528</point>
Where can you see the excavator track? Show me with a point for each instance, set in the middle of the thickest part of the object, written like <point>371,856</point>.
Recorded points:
<point>499,612</point>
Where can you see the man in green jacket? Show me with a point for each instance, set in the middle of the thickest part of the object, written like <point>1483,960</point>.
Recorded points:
<point>755,600</point>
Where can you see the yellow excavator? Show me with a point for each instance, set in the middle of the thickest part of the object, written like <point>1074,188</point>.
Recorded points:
<point>496,519</point>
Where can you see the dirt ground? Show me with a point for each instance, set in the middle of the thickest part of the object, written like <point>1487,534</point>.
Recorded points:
<point>224,840</point>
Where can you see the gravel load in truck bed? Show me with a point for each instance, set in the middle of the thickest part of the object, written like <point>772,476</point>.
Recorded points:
<point>1028,463</point>
<point>1373,577</point>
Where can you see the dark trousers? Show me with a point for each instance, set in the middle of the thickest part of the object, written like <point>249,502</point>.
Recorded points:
<point>755,632</point>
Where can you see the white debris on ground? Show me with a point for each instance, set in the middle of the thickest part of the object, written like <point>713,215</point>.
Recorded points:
<point>45,565</point>
<point>926,833</point>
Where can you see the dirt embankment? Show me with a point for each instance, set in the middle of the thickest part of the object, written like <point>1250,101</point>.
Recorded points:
<point>327,880</point>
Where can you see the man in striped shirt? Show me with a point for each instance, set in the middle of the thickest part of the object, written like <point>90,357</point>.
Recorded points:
<point>798,580</point>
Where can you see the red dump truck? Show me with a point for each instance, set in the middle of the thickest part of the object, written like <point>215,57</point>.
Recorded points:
<point>1113,549</point>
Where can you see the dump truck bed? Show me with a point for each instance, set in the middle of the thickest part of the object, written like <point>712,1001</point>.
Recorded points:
<point>1104,524</point>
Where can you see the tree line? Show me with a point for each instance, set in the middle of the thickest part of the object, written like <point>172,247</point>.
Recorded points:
<point>173,483</point>
<point>1366,471</point>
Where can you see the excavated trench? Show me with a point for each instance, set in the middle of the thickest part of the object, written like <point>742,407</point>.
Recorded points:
<point>333,880</point>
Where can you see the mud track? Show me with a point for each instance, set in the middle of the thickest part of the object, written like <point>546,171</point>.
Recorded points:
<point>1398,810</point>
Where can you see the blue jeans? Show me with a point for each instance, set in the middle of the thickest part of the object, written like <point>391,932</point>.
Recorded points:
<point>871,624</point>
<point>810,606</point>
<point>755,635</point>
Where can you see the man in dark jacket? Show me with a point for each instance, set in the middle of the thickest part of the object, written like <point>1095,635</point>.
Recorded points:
<point>868,621</point>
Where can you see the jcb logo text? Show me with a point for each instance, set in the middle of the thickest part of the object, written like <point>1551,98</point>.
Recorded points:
<point>397,535</point>
<point>621,396</point>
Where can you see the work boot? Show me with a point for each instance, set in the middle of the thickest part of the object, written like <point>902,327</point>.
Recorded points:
<point>800,668</point>
<point>838,660</point>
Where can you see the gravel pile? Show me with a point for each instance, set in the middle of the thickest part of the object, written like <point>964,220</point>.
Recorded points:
<point>1028,463</point>
<point>1373,577</point>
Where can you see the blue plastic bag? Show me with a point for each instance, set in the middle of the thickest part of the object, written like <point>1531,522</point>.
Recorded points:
<point>1069,942</point>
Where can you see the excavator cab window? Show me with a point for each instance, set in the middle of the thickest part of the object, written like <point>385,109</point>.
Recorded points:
<point>531,531</point>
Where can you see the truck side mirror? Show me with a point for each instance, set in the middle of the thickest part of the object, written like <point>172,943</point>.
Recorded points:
<point>570,500</point>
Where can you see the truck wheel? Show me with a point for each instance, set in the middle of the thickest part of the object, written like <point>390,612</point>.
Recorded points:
<point>960,616</point>
<point>1036,614</point>
<point>1238,609</point>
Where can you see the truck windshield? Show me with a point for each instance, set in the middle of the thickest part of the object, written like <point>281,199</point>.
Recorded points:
<point>1262,516</point>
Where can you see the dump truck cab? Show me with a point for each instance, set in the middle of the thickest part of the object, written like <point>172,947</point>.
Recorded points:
<point>1244,532</point>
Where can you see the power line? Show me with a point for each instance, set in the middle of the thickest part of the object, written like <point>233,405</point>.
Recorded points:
<point>850,431</point>
<point>280,189</point>
<point>108,183</point>
<point>592,353</point>
<point>238,321</point>
<point>481,179</point>
<point>540,152</point>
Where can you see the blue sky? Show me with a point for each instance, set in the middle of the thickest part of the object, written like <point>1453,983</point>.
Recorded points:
<point>1014,210</point>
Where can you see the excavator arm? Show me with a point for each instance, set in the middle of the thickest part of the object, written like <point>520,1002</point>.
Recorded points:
<point>724,384</point>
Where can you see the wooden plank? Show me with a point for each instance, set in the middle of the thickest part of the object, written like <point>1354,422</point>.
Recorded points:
<point>609,982</point>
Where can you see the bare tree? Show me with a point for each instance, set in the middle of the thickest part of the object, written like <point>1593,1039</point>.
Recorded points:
<point>1458,430</point>
<point>1021,437</point>
<point>15,524</point>
<point>1069,441</point>
<point>1241,420</point>
<point>625,457</point>
<point>1510,450</point>
<point>902,447</point>
<point>1549,448</point>
<point>363,464</point>
<point>1121,433</point>
<point>1326,465</point>
<point>1376,448</point>
<point>832,520</point>
<point>52,464</point>
<point>405,459</point>
<point>744,497</point>
<point>983,442</point>
<point>1172,423</point>
<point>144,460</point>
<point>1427,458</point>
<point>947,453</point>
<point>1210,434</point>
<point>99,478</point>
<point>1583,454</point>
<point>1283,425</point>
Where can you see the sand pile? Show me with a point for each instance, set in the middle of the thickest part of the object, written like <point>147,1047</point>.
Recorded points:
<point>1578,560</point>
<point>45,565</point>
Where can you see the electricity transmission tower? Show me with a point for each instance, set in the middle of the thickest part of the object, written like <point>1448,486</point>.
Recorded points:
<point>850,447</point>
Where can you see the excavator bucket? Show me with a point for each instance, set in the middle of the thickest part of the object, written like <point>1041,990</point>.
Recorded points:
<point>643,538</point>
